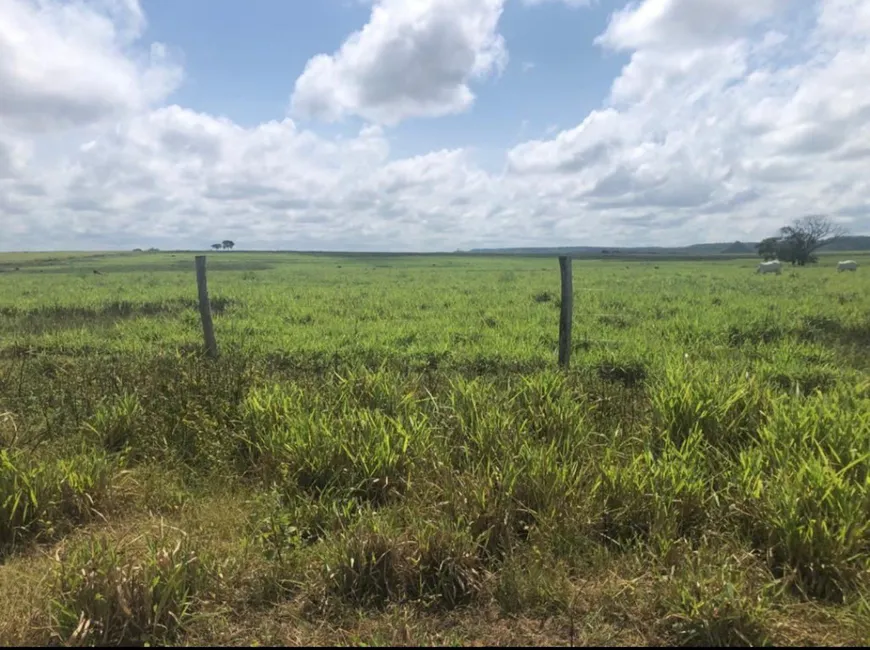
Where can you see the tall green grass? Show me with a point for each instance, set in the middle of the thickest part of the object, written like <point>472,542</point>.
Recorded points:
<point>400,437</point>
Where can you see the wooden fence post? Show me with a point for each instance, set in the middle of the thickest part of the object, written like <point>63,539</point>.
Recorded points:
<point>211,348</point>
<point>567,311</point>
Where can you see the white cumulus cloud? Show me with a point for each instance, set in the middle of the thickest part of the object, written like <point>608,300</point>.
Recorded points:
<point>411,59</point>
<point>68,64</point>
<point>724,111</point>
<point>680,23</point>
<point>570,3</point>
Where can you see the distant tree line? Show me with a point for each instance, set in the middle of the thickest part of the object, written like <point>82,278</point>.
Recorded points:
<point>797,243</point>
<point>226,245</point>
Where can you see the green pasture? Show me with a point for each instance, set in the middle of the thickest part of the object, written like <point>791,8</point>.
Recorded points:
<point>386,452</point>
<point>412,310</point>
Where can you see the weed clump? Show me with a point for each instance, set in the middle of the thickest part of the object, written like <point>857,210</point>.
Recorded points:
<point>654,497</point>
<point>803,380</point>
<point>369,569</point>
<point>754,333</point>
<point>375,564</point>
<point>44,499</point>
<point>629,374</point>
<point>711,605</point>
<point>803,493</point>
<point>727,410</point>
<point>447,571</point>
<point>116,422</point>
<point>108,595</point>
<point>360,450</point>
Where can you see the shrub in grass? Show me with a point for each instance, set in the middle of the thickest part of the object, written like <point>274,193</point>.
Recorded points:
<point>445,568</point>
<point>291,520</point>
<point>116,422</point>
<point>474,418</point>
<point>501,500</point>
<point>621,494</point>
<point>683,490</point>
<point>380,389</point>
<point>189,406</point>
<point>21,489</point>
<point>810,520</point>
<point>548,408</point>
<point>368,566</point>
<point>803,493</point>
<point>375,563</point>
<point>666,495</point>
<point>802,379</point>
<point>625,372</point>
<point>835,426</point>
<point>531,585</point>
<point>155,488</point>
<point>107,595</point>
<point>266,413</point>
<point>548,479</point>
<point>363,451</point>
<point>485,435</point>
<point>170,406</point>
<point>709,604</point>
<point>726,410</point>
<point>764,330</point>
<point>44,498</point>
<point>367,453</point>
<point>80,486</point>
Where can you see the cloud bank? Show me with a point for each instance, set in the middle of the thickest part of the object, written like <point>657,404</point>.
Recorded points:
<point>729,119</point>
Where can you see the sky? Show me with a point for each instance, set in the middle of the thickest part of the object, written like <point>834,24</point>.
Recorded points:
<point>428,125</point>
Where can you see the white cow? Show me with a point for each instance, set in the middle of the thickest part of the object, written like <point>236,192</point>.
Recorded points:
<point>848,265</point>
<point>774,266</point>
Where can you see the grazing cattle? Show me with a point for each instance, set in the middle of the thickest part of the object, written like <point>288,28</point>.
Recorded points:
<point>774,266</point>
<point>848,265</point>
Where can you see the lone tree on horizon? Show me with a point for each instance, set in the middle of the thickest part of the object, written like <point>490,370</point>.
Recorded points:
<point>217,247</point>
<point>798,242</point>
<point>228,244</point>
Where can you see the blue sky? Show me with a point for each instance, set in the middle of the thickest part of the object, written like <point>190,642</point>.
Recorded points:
<point>240,59</point>
<point>429,124</point>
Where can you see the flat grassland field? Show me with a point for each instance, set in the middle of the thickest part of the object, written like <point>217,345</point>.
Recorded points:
<point>386,452</point>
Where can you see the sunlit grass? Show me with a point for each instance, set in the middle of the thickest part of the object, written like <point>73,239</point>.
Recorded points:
<point>392,434</point>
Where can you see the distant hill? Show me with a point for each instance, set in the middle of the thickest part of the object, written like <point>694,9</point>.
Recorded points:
<point>727,250</point>
<point>739,248</point>
<point>854,243</point>
<point>695,250</point>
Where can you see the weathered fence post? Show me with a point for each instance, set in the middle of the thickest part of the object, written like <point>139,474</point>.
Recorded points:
<point>567,311</point>
<point>211,348</point>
